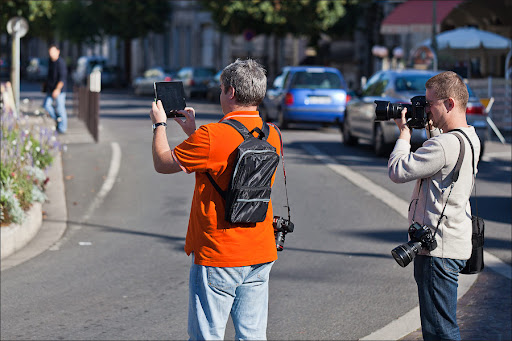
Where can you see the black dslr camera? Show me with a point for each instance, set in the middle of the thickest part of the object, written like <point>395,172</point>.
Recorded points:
<point>281,228</point>
<point>420,236</point>
<point>416,111</point>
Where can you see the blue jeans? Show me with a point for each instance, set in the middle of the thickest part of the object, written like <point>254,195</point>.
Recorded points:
<point>60,115</point>
<point>437,291</point>
<point>216,292</point>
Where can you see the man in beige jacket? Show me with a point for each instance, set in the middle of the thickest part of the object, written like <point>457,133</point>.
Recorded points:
<point>436,272</point>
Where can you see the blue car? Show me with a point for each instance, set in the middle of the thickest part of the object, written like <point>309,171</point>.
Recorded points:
<point>314,94</point>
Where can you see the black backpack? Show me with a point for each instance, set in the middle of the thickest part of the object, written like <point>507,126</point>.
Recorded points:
<point>248,194</point>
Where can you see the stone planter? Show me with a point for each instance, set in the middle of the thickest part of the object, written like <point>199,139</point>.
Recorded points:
<point>14,236</point>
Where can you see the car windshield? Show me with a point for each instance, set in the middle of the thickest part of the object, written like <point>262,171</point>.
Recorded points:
<point>414,83</point>
<point>316,80</point>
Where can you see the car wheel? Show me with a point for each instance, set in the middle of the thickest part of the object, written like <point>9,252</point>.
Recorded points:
<point>348,138</point>
<point>282,122</point>
<point>380,147</point>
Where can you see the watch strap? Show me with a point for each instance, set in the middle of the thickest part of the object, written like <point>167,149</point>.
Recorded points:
<point>159,124</point>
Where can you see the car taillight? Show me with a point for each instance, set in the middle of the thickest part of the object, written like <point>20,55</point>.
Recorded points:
<point>288,99</point>
<point>475,110</point>
<point>167,79</point>
<point>348,98</point>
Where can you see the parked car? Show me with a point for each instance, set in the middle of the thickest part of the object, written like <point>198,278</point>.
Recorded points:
<point>397,86</point>
<point>37,69</point>
<point>306,94</point>
<point>111,76</point>
<point>213,88</point>
<point>84,66</point>
<point>144,85</point>
<point>195,79</point>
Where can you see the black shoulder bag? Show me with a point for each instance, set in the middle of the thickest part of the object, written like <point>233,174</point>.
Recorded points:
<point>475,263</point>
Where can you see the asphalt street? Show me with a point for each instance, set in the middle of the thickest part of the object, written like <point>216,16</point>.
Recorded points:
<point>120,271</point>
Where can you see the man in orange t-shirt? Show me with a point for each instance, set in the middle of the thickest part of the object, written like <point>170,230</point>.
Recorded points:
<point>230,263</point>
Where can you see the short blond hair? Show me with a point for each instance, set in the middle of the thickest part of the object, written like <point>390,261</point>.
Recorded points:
<point>449,84</point>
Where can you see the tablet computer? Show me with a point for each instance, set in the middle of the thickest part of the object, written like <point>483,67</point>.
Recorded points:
<point>172,96</point>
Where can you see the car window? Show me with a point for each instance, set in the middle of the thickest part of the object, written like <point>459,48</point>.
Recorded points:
<point>414,83</point>
<point>376,85</point>
<point>278,82</point>
<point>316,80</point>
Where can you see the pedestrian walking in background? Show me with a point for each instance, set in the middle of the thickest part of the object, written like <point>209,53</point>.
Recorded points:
<point>55,88</point>
<point>438,202</point>
<point>230,262</point>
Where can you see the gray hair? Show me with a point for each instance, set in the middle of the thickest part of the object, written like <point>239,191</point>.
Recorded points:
<point>248,79</point>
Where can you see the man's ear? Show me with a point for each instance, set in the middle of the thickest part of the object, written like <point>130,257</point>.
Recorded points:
<point>231,92</point>
<point>449,104</point>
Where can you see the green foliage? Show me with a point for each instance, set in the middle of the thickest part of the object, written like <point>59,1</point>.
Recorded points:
<point>76,22</point>
<point>299,17</point>
<point>39,15</point>
<point>129,19</point>
<point>26,151</point>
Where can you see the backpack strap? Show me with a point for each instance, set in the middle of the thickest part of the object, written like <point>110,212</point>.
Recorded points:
<point>262,133</point>
<point>456,170</point>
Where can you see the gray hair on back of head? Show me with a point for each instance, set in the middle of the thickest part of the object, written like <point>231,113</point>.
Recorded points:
<point>248,79</point>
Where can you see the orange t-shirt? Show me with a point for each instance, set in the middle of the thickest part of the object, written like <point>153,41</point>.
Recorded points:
<point>214,241</point>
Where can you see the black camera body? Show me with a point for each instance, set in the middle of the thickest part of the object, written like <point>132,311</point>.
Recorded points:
<point>281,228</point>
<point>416,112</point>
<point>420,237</point>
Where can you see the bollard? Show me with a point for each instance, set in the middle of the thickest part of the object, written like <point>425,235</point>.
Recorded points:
<point>88,105</point>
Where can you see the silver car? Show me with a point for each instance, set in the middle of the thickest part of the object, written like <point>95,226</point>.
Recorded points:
<point>144,85</point>
<point>397,86</point>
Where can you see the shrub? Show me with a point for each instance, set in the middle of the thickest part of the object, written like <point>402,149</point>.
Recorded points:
<point>26,153</point>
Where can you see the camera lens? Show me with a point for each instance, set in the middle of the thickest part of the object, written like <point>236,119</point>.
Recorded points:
<point>386,111</point>
<point>382,111</point>
<point>405,253</point>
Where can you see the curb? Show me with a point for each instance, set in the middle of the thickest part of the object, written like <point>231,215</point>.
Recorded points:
<point>42,234</point>
<point>15,236</point>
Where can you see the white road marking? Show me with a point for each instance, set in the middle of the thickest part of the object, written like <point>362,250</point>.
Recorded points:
<point>410,321</point>
<point>115,164</point>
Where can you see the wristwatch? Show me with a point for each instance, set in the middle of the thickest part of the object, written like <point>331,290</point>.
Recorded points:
<point>159,124</point>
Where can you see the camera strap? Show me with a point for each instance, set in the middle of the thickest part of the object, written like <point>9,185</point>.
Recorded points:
<point>456,172</point>
<point>472,161</point>
<point>455,177</point>
<point>284,170</point>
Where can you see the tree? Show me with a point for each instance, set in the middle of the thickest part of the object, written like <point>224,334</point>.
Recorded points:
<point>130,19</point>
<point>76,22</point>
<point>38,13</point>
<point>278,17</point>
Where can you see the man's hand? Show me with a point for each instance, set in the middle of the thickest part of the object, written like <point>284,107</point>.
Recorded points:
<point>405,131</point>
<point>157,113</point>
<point>55,93</point>
<point>189,125</point>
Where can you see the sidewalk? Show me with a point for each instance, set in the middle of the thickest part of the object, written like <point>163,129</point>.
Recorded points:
<point>484,312</point>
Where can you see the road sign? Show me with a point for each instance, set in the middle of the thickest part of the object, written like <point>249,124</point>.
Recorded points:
<point>17,25</point>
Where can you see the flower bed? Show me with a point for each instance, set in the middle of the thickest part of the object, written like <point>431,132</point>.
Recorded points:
<point>28,146</point>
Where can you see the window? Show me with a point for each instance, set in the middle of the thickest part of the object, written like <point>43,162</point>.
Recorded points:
<point>316,80</point>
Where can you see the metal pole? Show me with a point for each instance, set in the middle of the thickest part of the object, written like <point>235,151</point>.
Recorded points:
<point>15,70</point>
<point>434,33</point>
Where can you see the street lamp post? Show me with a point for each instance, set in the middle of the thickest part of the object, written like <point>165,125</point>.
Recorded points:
<point>17,27</point>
